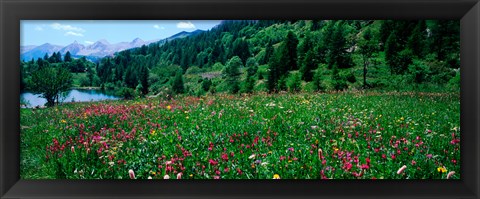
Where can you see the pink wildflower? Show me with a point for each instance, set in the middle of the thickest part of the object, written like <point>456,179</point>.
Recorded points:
<point>131,174</point>
<point>400,171</point>
<point>450,174</point>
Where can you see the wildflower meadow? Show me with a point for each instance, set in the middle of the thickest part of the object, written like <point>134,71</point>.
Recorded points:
<point>336,135</point>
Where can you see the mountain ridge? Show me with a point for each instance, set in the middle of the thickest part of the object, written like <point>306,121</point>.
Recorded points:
<point>97,50</point>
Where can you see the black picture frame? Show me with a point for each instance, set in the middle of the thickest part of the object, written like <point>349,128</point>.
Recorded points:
<point>12,11</point>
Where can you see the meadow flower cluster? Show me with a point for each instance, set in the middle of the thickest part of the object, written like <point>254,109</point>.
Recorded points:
<point>281,136</point>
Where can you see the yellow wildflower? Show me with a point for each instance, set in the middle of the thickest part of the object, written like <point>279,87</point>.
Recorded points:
<point>169,107</point>
<point>276,176</point>
<point>441,169</point>
<point>63,121</point>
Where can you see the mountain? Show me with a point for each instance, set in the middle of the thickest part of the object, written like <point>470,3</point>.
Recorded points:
<point>97,50</point>
<point>137,42</point>
<point>40,51</point>
<point>179,35</point>
<point>24,49</point>
<point>184,34</point>
<point>73,48</point>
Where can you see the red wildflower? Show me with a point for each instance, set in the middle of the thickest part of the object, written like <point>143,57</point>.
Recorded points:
<point>224,156</point>
<point>212,162</point>
<point>455,141</point>
<point>365,166</point>
<point>348,166</point>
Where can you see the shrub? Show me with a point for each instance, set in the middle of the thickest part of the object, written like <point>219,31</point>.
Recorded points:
<point>418,71</point>
<point>294,82</point>
<point>454,83</point>
<point>126,93</point>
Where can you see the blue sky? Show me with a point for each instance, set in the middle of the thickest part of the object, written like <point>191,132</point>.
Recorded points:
<point>86,32</point>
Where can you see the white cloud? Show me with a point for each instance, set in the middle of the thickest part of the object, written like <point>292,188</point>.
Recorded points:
<point>185,25</point>
<point>58,26</point>
<point>158,27</point>
<point>38,28</point>
<point>73,34</point>
<point>89,42</point>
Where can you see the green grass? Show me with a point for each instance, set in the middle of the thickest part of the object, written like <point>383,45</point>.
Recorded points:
<point>360,135</point>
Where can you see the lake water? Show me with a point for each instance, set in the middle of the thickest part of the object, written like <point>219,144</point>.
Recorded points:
<point>75,95</point>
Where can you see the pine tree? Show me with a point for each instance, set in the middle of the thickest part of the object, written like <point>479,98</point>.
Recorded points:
<point>308,65</point>
<point>45,57</point>
<point>386,28</point>
<point>130,78</point>
<point>304,46</point>
<point>418,38</point>
<point>273,72</point>
<point>391,52</point>
<point>53,58</point>
<point>233,74</point>
<point>318,80</point>
<point>90,75</point>
<point>268,53</point>
<point>177,84</point>
<point>240,49</point>
<point>291,43</point>
<point>68,57</point>
<point>446,41</point>
<point>368,45</point>
<point>143,78</point>
<point>252,66</point>
<point>338,54</point>
<point>58,57</point>
<point>338,82</point>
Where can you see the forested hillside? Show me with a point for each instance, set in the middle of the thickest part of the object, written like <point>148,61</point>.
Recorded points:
<point>273,56</point>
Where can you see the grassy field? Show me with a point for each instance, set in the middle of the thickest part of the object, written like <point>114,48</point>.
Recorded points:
<point>288,136</point>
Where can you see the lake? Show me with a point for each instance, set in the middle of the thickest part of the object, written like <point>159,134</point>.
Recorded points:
<point>74,95</point>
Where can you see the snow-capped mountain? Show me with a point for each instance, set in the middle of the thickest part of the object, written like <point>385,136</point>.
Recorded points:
<point>97,50</point>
